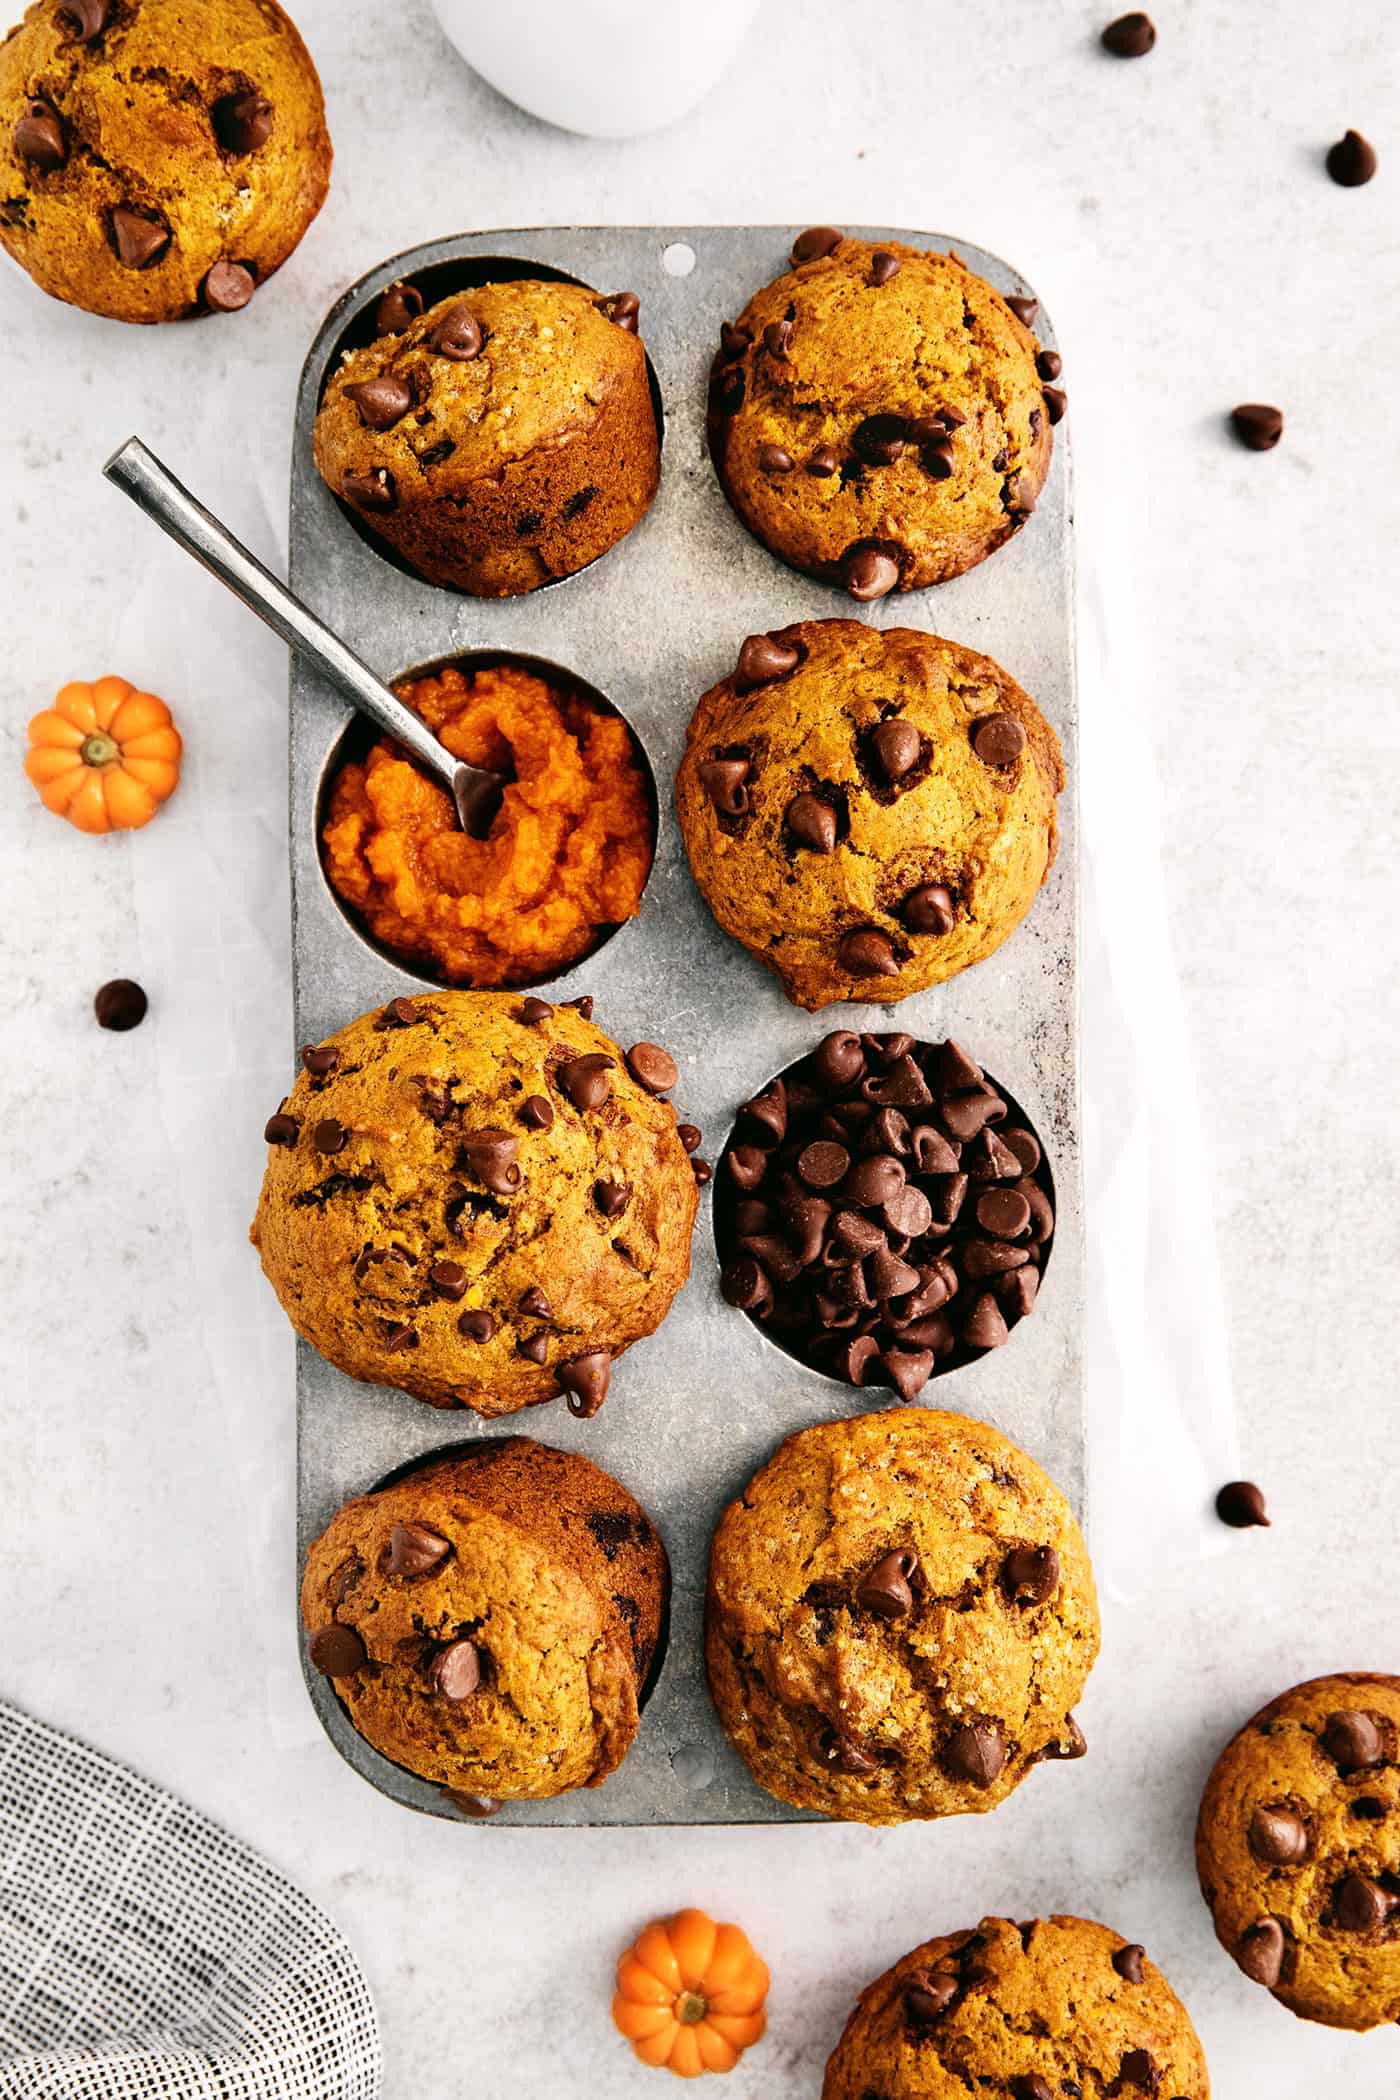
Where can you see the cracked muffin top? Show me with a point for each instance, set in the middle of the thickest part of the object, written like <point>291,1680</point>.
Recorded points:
<point>901,1616</point>
<point>879,416</point>
<point>158,159</point>
<point>1298,1849</point>
<point>478,1198</point>
<point>489,1620</point>
<point>867,811</point>
<point>1055,2009</point>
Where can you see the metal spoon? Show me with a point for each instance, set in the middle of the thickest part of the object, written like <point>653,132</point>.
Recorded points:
<point>154,489</point>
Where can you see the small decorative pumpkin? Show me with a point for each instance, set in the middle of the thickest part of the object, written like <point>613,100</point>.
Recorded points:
<point>690,1994</point>
<point>104,755</point>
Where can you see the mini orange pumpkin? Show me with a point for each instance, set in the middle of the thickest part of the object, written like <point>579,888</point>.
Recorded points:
<point>690,1994</point>
<point>104,755</point>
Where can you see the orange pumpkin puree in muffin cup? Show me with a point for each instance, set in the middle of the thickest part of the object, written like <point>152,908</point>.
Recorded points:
<point>565,861</point>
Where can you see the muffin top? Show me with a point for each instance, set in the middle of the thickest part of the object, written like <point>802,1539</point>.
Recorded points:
<point>489,1620</point>
<point>878,417</point>
<point>868,811</point>
<point>472,1197</point>
<point>1035,2011</point>
<point>1297,1849</point>
<point>901,1616</point>
<point>142,147</point>
<point>481,379</point>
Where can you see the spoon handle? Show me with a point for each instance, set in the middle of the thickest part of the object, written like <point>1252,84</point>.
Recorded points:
<point>153,488</point>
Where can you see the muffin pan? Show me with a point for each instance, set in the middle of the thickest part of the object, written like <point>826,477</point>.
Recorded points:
<point>651,625</point>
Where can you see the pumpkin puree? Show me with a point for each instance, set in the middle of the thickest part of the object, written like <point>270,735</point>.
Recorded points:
<point>565,861</point>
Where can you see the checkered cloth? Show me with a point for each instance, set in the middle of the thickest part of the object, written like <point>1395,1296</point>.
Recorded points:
<point>147,1955</point>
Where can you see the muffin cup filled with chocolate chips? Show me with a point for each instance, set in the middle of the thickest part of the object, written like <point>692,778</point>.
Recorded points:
<point>884,1210</point>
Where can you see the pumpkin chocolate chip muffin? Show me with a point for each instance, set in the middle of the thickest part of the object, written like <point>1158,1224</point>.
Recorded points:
<point>489,1620</point>
<point>1056,2007</point>
<point>158,159</point>
<point>879,416</point>
<point>1298,1849</point>
<point>867,811</point>
<point>498,440</point>
<point>477,1198</point>
<point>901,1616</point>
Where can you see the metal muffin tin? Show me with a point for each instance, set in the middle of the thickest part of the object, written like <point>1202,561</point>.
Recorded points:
<point>693,1411</point>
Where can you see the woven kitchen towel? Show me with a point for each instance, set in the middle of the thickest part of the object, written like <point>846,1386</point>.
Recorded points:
<point>147,1955</point>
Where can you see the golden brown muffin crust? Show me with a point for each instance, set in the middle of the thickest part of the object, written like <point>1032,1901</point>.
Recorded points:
<point>901,1616</point>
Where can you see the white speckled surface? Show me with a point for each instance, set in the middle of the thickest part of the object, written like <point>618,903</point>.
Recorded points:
<point>1175,214</point>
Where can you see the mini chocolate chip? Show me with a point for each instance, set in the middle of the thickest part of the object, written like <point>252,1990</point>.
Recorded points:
<point>535,1348</point>
<point>533,1011</point>
<point>477,1325</point>
<point>691,1136</point>
<point>491,1155</point>
<point>1257,425</point>
<point>456,336</point>
<point>281,1129</point>
<point>611,1197</point>
<point>733,341</point>
<point>762,659</point>
<point>838,1058</point>
<point>812,822</point>
<point>373,491</point>
<point>927,2001</point>
<point>1352,161</point>
<point>1031,1574</point>
<point>868,572</point>
<point>1353,1741</point>
<point>449,1280</point>
<point>587,1080</point>
<point>814,243</point>
<point>137,240</point>
<point>414,1550</point>
<point>879,440</point>
<point>998,740</point>
<point>584,1380</point>
<point>1260,1952</point>
<point>1139,2068</point>
<point>723,781</point>
<point>1278,1836</point>
<point>456,1671</point>
<point>242,121</point>
<point>1024,309</point>
<point>382,402</point>
<point>1241,1504</point>
<point>772,459</point>
<point>623,309</point>
<point>1128,1962</point>
<point>883,266</point>
<point>976,1753</point>
<point>39,137</point>
<point>337,1651</point>
<point>884,1589</point>
<point>777,336</point>
<point>82,20</point>
<point>534,1303</point>
<point>652,1067</point>
<point>985,1328</point>
<point>897,745</point>
<point>867,952</point>
<point>330,1136</point>
<point>399,306</point>
<point>120,1004</point>
<point>1130,36</point>
<point>824,462</point>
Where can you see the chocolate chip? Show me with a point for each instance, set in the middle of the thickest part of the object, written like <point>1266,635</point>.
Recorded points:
<point>652,1067</point>
<point>1260,1953</point>
<point>536,1113</point>
<point>867,952</point>
<point>691,1136</point>
<point>398,308</point>
<point>1056,402</point>
<point>623,309</point>
<point>534,1303</point>
<point>320,1059</point>
<point>868,572</point>
<point>337,1651</point>
<point>733,341</point>
<point>1031,2087</point>
<point>909,1214</point>
<point>1020,495</point>
<point>929,909</point>
<point>281,1129</point>
<point>478,1806</point>
<point>838,1058</point>
<point>120,1004</point>
<point>584,1379</point>
<point>611,1197</point>
<point>399,1335</point>
<point>762,659</point>
<point>449,1280</point>
<point>1128,1962</point>
<point>822,1163</point>
<point>1024,1147</point>
<point>1257,426</point>
<point>842,1754</point>
<point>998,740</point>
<point>908,1370</point>
<point>414,1550</point>
<point>1278,1836</point>
<point>888,1276</point>
<point>535,1348</point>
<point>776,338</point>
<point>766,1115</point>
<point>1360,1904</point>
<point>587,1080</point>
<point>1004,1213</point>
<point>1024,309</point>
<point>824,462</point>
<point>82,20</point>
<point>873,1181</point>
<point>985,1328</point>
<point>883,266</point>
<point>477,1325</point>
<point>884,1589</point>
<point>456,336</point>
<point>533,1011</point>
<point>897,746</point>
<point>1351,161</point>
<point>723,781</point>
<point>382,402</point>
<point>932,1152</point>
<point>491,1156</point>
<point>456,1671</point>
<point>747,1165</point>
<point>743,1284</point>
<point>329,1136</point>
<point>814,243</point>
<point>137,239</point>
<point>879,440</point>
<point>1241,1504</point>
<point>976,1753</point>
<point>1072,1747</point>
<point>39,138</point>
<point>811,822</point>
<point>1138,2068</point>
<point>1130,36</point>
<point>1049,364</point>
<point>937,460</point>
<point>1354,1741</point>
<point>373,491</point>
<point>243,121</point>
<point>927,2001</point>
<point>772,459</point>
<point>1031,1574</point>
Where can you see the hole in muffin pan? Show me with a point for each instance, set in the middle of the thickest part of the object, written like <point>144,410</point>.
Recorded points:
<point>354,740</point>
<point>439,281</point>
<point>728,1195</point>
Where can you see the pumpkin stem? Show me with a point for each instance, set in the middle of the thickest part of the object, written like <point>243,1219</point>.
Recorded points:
<point>99,749</point>
<point>690,2008</point>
